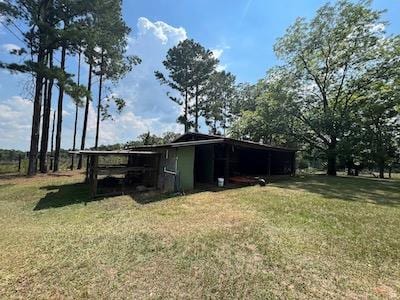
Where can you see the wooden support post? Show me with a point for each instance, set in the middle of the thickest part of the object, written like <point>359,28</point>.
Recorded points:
<point>227,161</point>
<point>93,170</point>
<point>294,164</point>
<point>89,172</point>
<point>269,164</point>
<point>87,168</point>
<point>19,163</point>
<point>157,170</point>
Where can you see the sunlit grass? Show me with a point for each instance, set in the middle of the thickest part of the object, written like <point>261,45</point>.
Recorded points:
<point>311,237</point>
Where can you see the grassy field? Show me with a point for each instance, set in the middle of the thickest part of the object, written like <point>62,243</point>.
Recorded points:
<point>312,237</point>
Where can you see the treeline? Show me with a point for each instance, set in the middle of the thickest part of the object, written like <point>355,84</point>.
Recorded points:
<point>147,138</point>
<point>54,31</point>
<point>11,155</point>
<point>336,95</point>
<point>143,139</point>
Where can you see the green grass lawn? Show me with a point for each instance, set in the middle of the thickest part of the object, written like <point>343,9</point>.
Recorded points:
<point>312,237</point>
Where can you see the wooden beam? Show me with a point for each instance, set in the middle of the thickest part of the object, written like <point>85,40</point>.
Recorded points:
<point>121,170</point>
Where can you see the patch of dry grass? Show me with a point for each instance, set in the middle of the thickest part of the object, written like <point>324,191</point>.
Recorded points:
<point>312,237</point>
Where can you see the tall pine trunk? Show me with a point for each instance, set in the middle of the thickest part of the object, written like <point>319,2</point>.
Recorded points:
<point>46,118</point>
<point>349,169</point>
<point>214,127</point>
<point>381,165</point>
<point>332,158</point>
<point>96,143</point>
<point>76,113</point>
<point>85,119</point>
<point>380,151</point>
<point>196,117</point>
<point>186,112</point>
<point>52,142</point>
<point>37,101</point>
<point>59,114</point>
<point>45,121</point>
<point>37,105</point>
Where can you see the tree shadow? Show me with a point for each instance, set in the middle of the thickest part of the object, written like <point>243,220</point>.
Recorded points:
<point>23,176</point>
<point>64,195</point>
<point>361,189</point>
<point>76,193</point>
<point>10,176</point>
<point>6,185</point>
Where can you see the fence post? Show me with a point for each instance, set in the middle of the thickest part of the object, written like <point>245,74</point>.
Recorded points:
<point>19,163</point>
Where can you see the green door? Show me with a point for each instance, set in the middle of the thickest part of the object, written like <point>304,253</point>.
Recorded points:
<point>185,167</point>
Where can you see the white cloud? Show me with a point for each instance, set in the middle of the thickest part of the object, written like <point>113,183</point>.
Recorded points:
<point>65,113</point>
<point>217,53</point>
<point>2,19</point>
<point>9,47</point>
<point>14,123</point>
<point>160,30</point>
<point>221,68</point>
<point>377,28</point>
<point>148,107</point>
<point>124,127</point>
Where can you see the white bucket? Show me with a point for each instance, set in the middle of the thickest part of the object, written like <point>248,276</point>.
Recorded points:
<point>220,182</point>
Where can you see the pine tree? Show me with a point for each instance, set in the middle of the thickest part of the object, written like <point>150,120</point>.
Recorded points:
<point>189,65</point>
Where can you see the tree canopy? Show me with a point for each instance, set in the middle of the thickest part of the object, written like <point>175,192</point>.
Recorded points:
<point>337,85</point>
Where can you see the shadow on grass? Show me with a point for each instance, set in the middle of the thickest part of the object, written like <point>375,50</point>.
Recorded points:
<point>10,176</point>
<point>382,192</point>
<point>64,195</point>
<point>75,193</point>
<point>6,185</point>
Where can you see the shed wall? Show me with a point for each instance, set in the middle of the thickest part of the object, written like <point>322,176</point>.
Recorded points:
<point>185,167</point>
<point>166,181</point>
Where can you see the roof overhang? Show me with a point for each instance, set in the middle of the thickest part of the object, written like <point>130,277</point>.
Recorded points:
<point>238,143</point>
<point>113,152</point>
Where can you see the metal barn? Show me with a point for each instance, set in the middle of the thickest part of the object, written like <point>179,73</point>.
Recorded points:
<point>196,159</point>
<point>191,161</point>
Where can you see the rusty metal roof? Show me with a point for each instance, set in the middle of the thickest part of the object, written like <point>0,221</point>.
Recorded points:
<point>113,152</point>
<point>214,140</point>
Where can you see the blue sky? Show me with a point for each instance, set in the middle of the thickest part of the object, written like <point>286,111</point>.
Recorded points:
<point>241,33</point>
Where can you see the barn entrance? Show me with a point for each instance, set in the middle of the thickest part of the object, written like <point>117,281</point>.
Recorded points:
<point>204,164</point>
<point>227,161</point>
